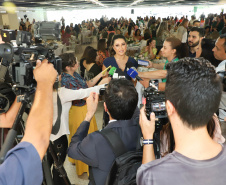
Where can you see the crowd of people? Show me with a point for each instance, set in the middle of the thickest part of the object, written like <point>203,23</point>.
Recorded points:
<point>186,57</point>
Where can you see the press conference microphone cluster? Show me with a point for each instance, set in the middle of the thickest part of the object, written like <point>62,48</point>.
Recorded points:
<point>134,74</point>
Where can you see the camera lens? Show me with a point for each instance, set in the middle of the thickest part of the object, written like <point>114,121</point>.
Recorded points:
<point>3,102</point>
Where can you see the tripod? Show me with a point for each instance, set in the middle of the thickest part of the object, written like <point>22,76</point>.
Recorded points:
<point>12,136</point>
<point>57,164</point>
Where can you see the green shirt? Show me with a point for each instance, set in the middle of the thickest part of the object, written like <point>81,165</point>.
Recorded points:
<point>174,60</point>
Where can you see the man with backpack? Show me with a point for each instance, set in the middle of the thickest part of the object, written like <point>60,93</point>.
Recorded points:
<point>94,149</point>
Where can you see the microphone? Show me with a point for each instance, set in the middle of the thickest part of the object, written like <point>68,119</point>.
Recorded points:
<point>112,71</point>
<point>133,74</point>
<point>130,65</point>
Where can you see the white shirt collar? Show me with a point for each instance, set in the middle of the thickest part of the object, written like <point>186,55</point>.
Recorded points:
<point>221,66</point>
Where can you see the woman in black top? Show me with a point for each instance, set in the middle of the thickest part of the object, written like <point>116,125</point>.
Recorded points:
<point>92,69</point>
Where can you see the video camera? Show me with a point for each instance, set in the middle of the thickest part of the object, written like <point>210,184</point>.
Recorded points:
<point>22,59</point>
<point>155,102</point>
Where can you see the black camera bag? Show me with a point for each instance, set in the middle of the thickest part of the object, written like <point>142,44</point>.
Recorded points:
<point>124,168</point>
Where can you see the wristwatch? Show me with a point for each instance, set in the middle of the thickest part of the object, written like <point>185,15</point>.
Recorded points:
<point>145,141</point>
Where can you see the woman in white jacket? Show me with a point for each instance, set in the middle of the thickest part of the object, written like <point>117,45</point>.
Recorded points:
<point>62,101</point>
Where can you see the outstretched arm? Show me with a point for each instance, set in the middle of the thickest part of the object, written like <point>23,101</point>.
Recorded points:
<point>159,74</point>
<point>40,120</point>
<point>93,81</point>
<point>82,146</point>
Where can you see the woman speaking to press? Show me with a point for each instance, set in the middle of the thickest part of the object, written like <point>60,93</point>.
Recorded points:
<point>118,58</point>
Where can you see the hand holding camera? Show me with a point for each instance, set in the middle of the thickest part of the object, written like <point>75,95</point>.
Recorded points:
<point>147,126</point>
<point>45,73</point>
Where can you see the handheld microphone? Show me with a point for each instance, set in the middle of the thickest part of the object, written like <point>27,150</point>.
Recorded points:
<point>133,74</point>
<point>112,71</point>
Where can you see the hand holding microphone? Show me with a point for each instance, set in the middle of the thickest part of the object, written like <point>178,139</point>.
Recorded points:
<point>134,74</point>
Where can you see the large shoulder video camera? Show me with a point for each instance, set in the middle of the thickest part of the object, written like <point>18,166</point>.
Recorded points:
<point>21,59</point>
<point>19,55</point>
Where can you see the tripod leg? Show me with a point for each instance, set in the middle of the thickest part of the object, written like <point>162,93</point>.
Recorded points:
<point>46,171</point>
<point>58,165</point>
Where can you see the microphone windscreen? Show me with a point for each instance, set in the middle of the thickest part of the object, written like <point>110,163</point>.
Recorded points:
<point>112,71</point>
<point>129,65</point>
<point>132,73</point>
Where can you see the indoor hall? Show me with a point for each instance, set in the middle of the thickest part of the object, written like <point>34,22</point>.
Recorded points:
<point>208,15</point>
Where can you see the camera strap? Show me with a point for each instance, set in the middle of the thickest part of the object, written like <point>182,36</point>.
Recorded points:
<point>56,126</point>
<point>3,70</point>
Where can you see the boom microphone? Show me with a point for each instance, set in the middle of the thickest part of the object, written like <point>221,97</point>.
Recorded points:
<point>133,74</point>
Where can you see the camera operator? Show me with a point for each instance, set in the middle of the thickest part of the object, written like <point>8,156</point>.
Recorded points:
<point>219,52</point>
<point>193,92</point>
<point>120,103</point>
<point>22,164</point>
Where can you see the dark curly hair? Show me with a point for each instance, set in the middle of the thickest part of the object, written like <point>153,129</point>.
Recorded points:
<point>194,89</point>
<point>68,59</point>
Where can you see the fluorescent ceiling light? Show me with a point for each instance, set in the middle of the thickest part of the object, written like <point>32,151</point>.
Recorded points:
<point>136,2</point>
<point>97,2</point>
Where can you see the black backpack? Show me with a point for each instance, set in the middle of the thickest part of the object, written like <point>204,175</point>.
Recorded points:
<point>124,168</point>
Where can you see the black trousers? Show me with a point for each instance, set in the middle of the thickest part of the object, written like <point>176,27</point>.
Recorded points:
<point>60,148</point>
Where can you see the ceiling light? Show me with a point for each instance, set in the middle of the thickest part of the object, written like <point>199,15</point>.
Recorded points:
<point>97,2</point>
<point>136,2</point>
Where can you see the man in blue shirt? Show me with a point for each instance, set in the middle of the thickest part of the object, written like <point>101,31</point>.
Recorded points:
<point>22,164</point>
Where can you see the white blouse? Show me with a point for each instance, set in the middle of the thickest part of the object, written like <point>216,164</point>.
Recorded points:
<point>67,96</point>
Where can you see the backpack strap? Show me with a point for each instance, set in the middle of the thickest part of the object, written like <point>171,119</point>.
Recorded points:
<point>114,141</point>
<point>116,145</point>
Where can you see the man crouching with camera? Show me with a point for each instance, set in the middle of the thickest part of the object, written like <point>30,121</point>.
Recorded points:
<point>193,93</point>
